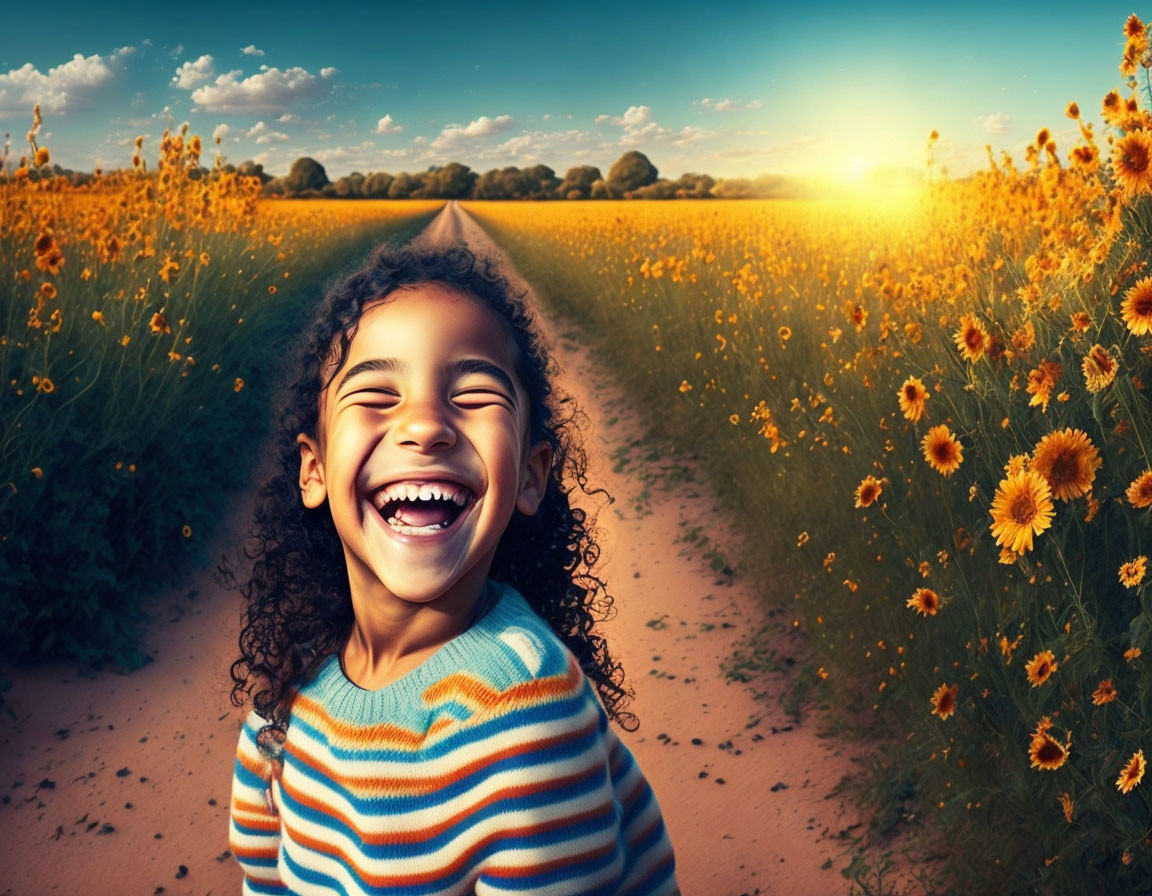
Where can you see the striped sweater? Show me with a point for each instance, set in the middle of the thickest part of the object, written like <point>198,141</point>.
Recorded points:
<point>489,769</point>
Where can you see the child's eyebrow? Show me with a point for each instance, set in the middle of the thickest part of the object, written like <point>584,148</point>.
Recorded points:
<point>465,365</point>
<point>477,365</point>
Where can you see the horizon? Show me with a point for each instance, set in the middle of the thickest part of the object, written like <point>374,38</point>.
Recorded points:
<point>830,92</point>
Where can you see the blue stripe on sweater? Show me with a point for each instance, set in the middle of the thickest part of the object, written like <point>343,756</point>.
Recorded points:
<point>319,879</point>
<point>551,711</point>
<point>531,803</point>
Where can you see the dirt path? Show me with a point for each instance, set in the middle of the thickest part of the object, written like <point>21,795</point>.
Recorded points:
<point>118,784</point>
<point>744,789</point>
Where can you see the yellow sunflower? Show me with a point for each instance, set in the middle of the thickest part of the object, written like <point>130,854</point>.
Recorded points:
<point>1139,493</point>
<point>1041,382</point>
<point>1040,668</point>
<point>924,601</point>
<point>1132,773</point>
<point>1047,753</point>
<point>1068,460</point>
<point>1021,509</point>
<point>913,396</point>
<point>1081,322</point>
<point>1132,162</point>
<point>1105,693</point>
<point>1137,307</point>
<point>1132,573</point>
<point>971,338</point>
<point>1112,107</point>
<point>1099,368</point>
<point>944,700</point>
<point>942,450</point>
<point>868,491</point>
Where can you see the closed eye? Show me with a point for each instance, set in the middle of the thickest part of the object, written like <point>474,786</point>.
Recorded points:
<point>373,397</point>
<point>481,396</point>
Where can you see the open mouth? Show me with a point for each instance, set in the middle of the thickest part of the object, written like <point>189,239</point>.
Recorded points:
<point>422,508</point>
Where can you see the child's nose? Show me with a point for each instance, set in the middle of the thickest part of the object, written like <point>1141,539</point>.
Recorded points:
<point>424,427</point>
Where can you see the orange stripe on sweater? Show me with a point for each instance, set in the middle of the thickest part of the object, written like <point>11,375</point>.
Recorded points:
<point>254,764</point>
<point>422,785</point>
<point>254,815</point>
<point>552,865</point>
<point>513,791</point>
<point>390,735</point>
<point>381,881</point>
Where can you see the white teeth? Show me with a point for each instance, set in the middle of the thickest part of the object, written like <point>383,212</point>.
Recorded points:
<point>418,491</point>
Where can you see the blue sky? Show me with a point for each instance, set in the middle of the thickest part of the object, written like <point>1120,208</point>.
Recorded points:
<point>731,89</point>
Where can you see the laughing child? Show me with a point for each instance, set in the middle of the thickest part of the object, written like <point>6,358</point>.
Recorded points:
<point>431,705</point>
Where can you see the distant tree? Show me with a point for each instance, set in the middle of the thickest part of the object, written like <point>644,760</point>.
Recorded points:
<point>254,169</point>
<point>306,174</point>
<point>351,186</point>
<point>274,187</point>
<point>659,189</point>
<point>539,182</point>
<point>694,186</point>
<point>600,190</point>
<point>577,183</point>
<point>503,183</point>
<point>376,185</point>
<point>402,186</point>
<point>427,182</point>
<point>453,181</point>
<point>733,188</point>
<point>766,186</point>
<point>630,172</point>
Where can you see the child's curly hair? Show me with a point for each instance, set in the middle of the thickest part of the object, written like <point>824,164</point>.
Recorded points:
<point>299,608</point>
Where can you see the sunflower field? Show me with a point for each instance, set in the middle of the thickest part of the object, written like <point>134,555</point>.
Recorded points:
<point>142,321</point>
<point>932,421</point>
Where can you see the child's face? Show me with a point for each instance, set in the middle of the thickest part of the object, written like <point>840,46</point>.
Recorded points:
<point>422,450</point>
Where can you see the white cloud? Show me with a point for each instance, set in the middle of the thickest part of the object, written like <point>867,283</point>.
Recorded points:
<point>221,132</point>
<point>690,134</point>
<point>541,146</point>
<point>252,50</point>
<point>288,117</point>
<point>63,87</point>
<point>727,105</point>
<point>361,157</point>
<point>997,124</point>
<point>387,126</point>
<point>454,134</point>
<point>193,74</point>
<point>268,91</point>
<point>328,72</point>
<point>634,117</point>
<point>124,51</point>
<point>265,134</point>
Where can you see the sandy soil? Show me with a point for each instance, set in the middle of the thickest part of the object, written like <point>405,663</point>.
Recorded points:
<point>120,783</point>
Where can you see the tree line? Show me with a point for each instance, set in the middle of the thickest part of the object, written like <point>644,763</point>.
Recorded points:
<point>632,176</point>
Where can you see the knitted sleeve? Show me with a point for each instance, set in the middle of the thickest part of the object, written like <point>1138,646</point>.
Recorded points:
<point>253,831</point>
<point>570,811</point>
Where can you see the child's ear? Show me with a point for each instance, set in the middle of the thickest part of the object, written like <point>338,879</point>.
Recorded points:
<point>313,491</point>
<point>535,478</point>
